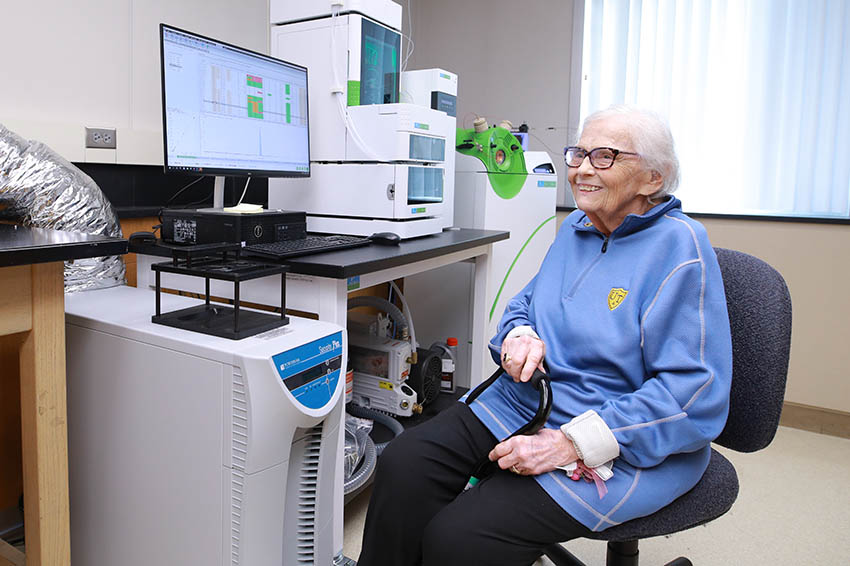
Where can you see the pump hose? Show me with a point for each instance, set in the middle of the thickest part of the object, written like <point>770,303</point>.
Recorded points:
<point>364,471</point>
<point>382,304</point>
<point>380,418</point>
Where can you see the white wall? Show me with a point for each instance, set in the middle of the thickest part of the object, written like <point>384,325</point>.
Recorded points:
<point>67,65</point>
<point>513,61</point>
<point>811,258</point>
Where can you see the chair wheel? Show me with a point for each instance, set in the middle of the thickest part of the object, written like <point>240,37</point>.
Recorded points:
<point>681,561</point>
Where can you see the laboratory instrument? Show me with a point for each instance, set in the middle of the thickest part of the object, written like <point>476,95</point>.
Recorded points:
<point>378,165</point>
<point>186,448</point>
<point>434,88</point>
<point>189,226</point>
<point>381,368</point>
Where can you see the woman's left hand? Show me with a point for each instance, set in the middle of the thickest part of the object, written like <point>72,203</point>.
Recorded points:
<point>536,454</point>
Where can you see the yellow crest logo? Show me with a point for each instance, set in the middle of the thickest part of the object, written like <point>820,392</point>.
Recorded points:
<point>616,297</point>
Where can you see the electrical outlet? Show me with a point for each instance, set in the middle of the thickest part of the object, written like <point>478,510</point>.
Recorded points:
<point>100,138</point>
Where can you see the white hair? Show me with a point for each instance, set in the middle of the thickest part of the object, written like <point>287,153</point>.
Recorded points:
<point>652,139</point>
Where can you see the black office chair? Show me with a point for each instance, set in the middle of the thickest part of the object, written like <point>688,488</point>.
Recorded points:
<point>760,319</point>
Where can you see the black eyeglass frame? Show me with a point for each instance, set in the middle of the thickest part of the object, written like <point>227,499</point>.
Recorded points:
<point>590,153</point>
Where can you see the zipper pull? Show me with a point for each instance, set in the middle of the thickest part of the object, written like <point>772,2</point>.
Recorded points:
<point>604,245</point>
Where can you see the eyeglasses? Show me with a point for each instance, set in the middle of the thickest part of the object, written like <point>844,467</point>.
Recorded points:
<point>600,157</point>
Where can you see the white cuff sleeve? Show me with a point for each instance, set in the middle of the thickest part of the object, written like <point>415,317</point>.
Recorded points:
<point>524,330</point>
<point>593,440</point>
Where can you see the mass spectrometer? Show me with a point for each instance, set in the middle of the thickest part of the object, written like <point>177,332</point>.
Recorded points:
<point>377,164</point>
<point>186,448</point>
<point>502,187</point>
<point>498,187</point>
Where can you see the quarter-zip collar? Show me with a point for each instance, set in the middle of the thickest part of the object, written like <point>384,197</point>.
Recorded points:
<point>632,222</point>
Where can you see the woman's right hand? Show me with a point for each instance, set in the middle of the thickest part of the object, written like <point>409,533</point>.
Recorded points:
<point>521,355</point>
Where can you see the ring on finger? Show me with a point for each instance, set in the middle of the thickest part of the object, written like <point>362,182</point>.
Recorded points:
<point>515,470</point>
<point>506,357</point>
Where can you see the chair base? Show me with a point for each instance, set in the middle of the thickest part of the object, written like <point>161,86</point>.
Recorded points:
<point>560,556</point>
<point>620,553</point>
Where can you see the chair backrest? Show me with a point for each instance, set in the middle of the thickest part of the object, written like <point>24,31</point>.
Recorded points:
<point>760,319</point>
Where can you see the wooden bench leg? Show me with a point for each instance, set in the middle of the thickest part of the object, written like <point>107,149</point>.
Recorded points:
<point>44,422</point>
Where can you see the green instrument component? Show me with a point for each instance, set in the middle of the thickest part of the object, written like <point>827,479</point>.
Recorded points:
<point>502,155</point>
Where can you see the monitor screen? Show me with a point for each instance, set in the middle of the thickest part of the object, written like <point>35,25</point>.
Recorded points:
<point>231,111</point>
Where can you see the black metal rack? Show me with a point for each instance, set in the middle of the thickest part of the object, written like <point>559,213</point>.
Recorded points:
<point>214,261</point>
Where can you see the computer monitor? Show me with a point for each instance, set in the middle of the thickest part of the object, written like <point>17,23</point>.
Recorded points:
<point>228,111</point>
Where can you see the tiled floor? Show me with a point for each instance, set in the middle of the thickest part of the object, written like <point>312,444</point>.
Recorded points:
<point>793,509</point>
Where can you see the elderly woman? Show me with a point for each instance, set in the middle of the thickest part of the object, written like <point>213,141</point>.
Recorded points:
<point>629,313</point>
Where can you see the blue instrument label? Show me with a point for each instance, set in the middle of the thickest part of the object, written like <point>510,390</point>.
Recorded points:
<point>312,371</point>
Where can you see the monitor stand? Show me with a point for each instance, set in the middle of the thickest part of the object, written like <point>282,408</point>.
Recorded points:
<point>218,202</point>
<point>218,193</point>
<point>218,196</point>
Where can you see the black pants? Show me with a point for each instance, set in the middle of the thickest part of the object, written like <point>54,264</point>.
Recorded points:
<point>418,515</point>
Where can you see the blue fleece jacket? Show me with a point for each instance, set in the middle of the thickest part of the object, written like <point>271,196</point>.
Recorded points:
<point>636,329</point>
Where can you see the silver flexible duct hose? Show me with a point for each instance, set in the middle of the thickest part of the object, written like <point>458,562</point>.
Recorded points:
<point>41,189</point>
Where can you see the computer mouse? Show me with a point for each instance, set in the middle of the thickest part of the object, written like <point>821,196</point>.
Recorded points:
<point>142,238</point>
<point>385,238</point>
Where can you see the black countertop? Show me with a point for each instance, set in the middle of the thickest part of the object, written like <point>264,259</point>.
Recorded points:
<point>20,245</point>
<point>368,259</point>
<point>351,262</point>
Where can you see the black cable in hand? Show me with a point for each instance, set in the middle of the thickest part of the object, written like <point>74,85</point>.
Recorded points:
<point>540,381</point>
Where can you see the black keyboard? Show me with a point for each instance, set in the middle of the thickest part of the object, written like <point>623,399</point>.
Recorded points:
<point>312,244</point>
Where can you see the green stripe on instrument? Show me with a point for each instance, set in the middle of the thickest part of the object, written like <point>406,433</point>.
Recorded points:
<point>513,263</point>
